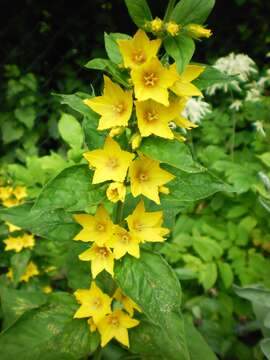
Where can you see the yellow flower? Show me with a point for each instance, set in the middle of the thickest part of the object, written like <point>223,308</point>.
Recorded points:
<point>135,141</point>
<point>129,305</point>
<point>111,163</point>
<point>154,118</point>
<point>147,225</point>
<point>92,325</point>
<point>116,192</point>
<point>146,176</point>
<point>116,131</point>
<point>173,28</point>
<point>197,31</point>
<point>164,190</point>
<point>156,24</point>
<point>114,106</point>
<point>183,86</point>
<point>138,50</point>
<point>94,302</point>
<point>101,259</point>
<point>20,242</point>
<point>115,325</point>
<point>152,80</point>
<point>31,271</point>
<point>124,242</point>
<point>11,227</point>
<point>11,202</point>
<point>47,289</point>
<point>98,228</point>
<point>5,192</point>
<point>20,192</point>
<point>177,107</point>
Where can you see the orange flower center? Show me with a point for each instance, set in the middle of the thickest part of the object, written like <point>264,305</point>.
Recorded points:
<point>97,302</point>
<point>125,238</point>
<point>100,227</point>
<point>138,57</point>
<point>150,116</point>
<point>143,177</point>
<point>103,252</point>
<point>114,321</point>
<point>112,163</point>
<point>119,108</point>
<point>137,225</point>
<point>150,79</point>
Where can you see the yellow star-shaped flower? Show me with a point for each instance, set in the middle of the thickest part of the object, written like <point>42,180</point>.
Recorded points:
<point>20,242</point>
<point>98,228</point>
<point>129,305</point>
<point>116,192</point>
<point>138,50</point>
<point>101,259</point>
<point>5,192</point>
<point>154,118</point>
<point>114,106</point>
<point>115,325</point>
<point>20,192</point>
<point>31,271</point>
<point>147,225</point>
<point>152,80</point>
<point>111,163</point>
<point>183,86</point>
<point>94,302</point>
<point>146,177</point>
<point>124,242</point>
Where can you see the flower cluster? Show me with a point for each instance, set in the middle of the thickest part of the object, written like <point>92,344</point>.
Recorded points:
<point>10,196</point>
<point>155,100</point>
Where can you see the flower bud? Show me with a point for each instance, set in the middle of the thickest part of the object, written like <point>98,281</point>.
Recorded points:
<point>156,24</point>
<point>173,28</point>
<point>136,140</point>
<point>116,131</point>
<point>197,31</point>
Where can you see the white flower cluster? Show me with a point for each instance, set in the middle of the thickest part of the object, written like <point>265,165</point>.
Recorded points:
<point>196,110</point>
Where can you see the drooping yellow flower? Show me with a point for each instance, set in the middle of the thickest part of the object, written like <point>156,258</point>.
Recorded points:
<point>154,118</point>
<point>116,192</point>
<point>5,192</point>
<point>197,31</point>
<point>94,302</point>
<point>183,86</point>
<point>116,131</point>
<point>146,176</point>
<point>147,225</point>
<point>129,305</point>
<point>138,50</point>
<point>98,228</point>
<point>173,28</point>
<point>152,80</point>
<point>20,242</point>
<point>115,325</point>
<point>110,163</point>
<point>114,106</point>
<point>11,227</point>
<point>101,259</point>
<point>20,192</point>
<point>124,242</point>
<point>156,24</point>
<point>135,141</point>
<point>31,271</point>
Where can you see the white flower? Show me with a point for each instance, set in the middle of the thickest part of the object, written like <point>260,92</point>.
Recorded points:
<point>253,95</point>
<point>259,128</point>
<point>196,110</point>
<point>236,105</point>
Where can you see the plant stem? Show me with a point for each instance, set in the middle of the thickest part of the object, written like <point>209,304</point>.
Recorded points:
<point>169,9</point>
<point>119,212</point>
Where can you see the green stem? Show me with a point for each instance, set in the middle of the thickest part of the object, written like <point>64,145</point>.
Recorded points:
<point>169,10</point>
<point>119,212</point>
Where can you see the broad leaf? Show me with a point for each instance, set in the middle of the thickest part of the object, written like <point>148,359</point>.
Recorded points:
<point>208,275</point>
<point>71,131</point>
<point>139,11</point>
<point>226,274</point>
<point>112,48</point>
<point>152,284</point>
<point>254,294</point>
<point>212,76</point>
<point>75,101</point>
<point>181,49</point>
<point>265,346</point>
<point>192,11</point>
<point>19,262</point>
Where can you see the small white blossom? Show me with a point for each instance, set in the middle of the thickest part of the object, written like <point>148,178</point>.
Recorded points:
<point>253,95</point>
<point>236,105</point>
<point>196,110</point>
<point>259,128</point>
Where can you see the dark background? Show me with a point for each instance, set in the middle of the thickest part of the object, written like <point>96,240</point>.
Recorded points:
<point>53,37</point>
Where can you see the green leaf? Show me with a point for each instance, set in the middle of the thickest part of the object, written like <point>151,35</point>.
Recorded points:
<point>236,211</point>
<point>192,11</point>
<point>181,49</point>
<point>206,248</point>
<point>75,101</point>
<point>112,48</point>
<point>19,262</point>
<point>26,116</point>
<point>208,275</point>
<point>226,274</point>
<point>171,152</point>
<point>254,294</point>
<point>108,66</point>
<point>192,187</point>
<point>70,190</point>
<point>212,76</point>
<point>265,158</point>
<point>49,333</point>
<point>70,130</point>
<point>93,138</point>
<point>139,11</point>
<point>16,302</point>
<point>152,284</point>
<point>265,346</point>
<point>11,131</point>
<point>197,346</point>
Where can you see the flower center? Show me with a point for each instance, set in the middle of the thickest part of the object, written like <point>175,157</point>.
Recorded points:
<point>150,79</point>
<point>100,227</point>
<point>125,238</point>
<point>103,252</point>
<point>137,225</point>
<point>112,163</point>
<point>97,302</point>
<point>114,321</point>
<point>138,57</point>
<point>143,177</point>
<point>119,109</point>
<point>150,116</point>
